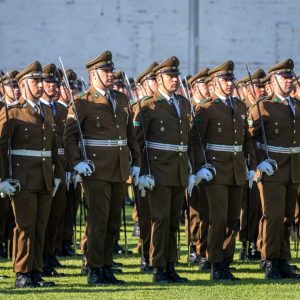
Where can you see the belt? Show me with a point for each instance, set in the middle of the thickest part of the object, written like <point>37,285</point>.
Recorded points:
<point>224,148</point>
<point>276,149</point>
<point>167,147</point>
<point>104,143</point>
<point>61,151</point>
<point>33,153</point>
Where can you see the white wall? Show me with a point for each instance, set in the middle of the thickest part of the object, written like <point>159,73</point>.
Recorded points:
<point>139,32</point>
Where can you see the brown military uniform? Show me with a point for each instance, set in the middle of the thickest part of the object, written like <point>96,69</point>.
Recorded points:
<point>170,170</point>
<point>143,212</point>
<point>223,125</point>
<point>59,201</point>
<point>198,201</point>
<point>32,204</point>
<point>100,123</point>
<point>278,192</point>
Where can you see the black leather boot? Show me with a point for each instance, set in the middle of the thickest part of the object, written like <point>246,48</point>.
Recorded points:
<point>286,271</point>
<point>228,272</point>
<point>204,265</point>
<point>145,266</point>
<point>159,276</point>
<point>243,252</point>
<point>23,280</point>
<point>272,270</point>
<point>193,255</point>
<point>96,276</point>
<point>217,271</point>
<point>110,277</point>
<point>173,275</point>
<point>37,279</point>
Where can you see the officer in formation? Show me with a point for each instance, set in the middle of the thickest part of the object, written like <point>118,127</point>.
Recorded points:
<point>230,149</point>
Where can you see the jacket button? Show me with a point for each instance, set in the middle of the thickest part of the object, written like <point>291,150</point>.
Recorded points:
<point>44,158</point>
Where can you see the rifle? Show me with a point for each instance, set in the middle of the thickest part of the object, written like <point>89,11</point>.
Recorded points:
<point>263,131</point>
<point>14,182</point>
<point>81,140</point>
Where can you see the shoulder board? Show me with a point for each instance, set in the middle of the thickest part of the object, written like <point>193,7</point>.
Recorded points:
<point>81,94</point>
<point>263,99</point>
<point>204,100</point>
<point>238,99</point>
<point>145,98</point>
<point>297,98</point>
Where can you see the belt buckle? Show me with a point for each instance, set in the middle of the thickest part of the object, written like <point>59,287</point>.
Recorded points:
<point>293,150</point>
<point>43,153</point>
<point>236,148</point>
<point>120,143</point>
<point>109,142</point>
<point>180,148</point>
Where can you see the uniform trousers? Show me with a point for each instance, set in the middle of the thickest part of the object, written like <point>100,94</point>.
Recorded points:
<point>224,209</point>
<point>165,206</point>
<point>278,205</point>
<point>31,210</point>
<point>104,200</point>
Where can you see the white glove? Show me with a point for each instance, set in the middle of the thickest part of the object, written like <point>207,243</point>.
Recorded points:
<point>56,185</point>
<point>192,181</point>
<point>83,168</point>
<point>6,188</point>
<point>265,167</point>
<point>250,177</point>
<point>205,174</point>
<point>135,173</point>
<point>146,181</point>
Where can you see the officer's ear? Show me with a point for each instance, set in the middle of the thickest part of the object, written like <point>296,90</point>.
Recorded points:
<point>159,79</point>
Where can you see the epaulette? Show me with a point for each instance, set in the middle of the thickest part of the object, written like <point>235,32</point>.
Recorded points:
<point>81,94</point>
<point>205,100</point>
<point>263,99</point>
<point>145,98</point>
<point>238,99</point>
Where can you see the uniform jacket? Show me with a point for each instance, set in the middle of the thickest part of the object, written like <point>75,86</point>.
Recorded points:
<point>162,125</point>
<point>219,124</point>
<point>60,123</point>
<point>28,131</point>
<point>99,122</point>
<point>282,129</point>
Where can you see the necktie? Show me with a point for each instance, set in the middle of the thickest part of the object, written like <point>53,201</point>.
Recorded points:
<point>53,109</point>
<point>173,106</point>
<point>229,104</point>
<point>109,100</point>
<point>291,106</point>
<point>38,109</point>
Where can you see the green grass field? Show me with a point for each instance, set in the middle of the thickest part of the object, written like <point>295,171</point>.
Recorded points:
<point>140,286</point>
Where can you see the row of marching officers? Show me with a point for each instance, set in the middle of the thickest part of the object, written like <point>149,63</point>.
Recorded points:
<point>170,151</point>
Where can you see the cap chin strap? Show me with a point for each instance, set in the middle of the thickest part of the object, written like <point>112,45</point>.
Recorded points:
<point>149,87</point>
<point>26,81</point>
<point>221,86</point>
<point>5,94</point>
<point>101,80</point>
<point>199,91</point>
<point>162,79</point>
<point>279,86</point>
<point>50,97</point>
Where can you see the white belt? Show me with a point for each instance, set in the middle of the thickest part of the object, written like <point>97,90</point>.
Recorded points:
<point>61,151</point>
<point>34,153</point>
<point>104,143</point>
<point>225,148</point>
<point>276,149</point>
<point>167,147</point>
